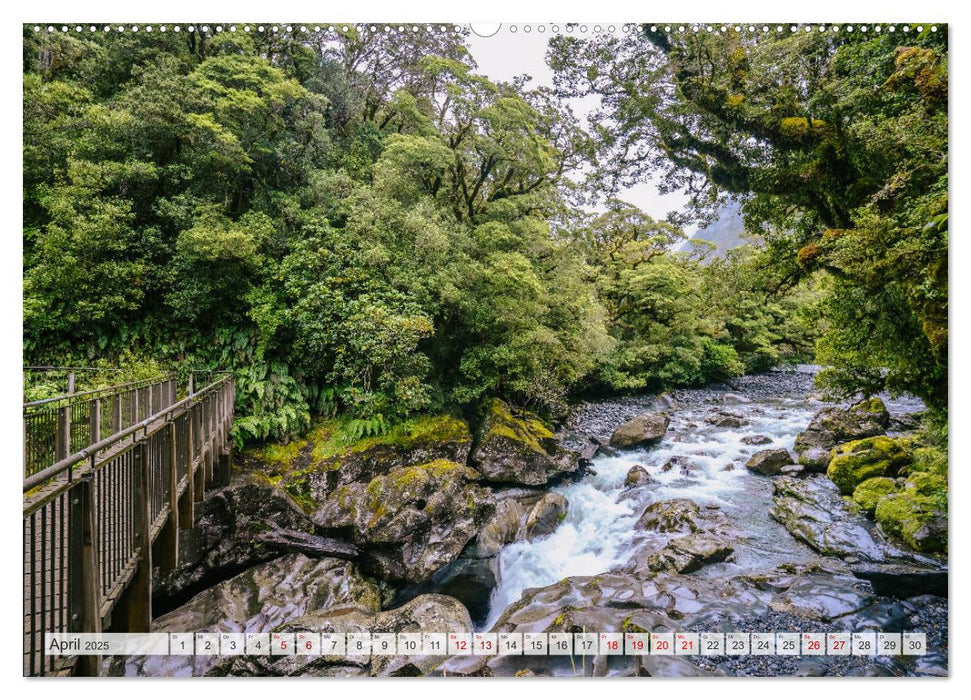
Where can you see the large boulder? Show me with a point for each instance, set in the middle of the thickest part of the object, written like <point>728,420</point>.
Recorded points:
<point>813,512</point>
<point>673,515</point>
<point>916,514</point>
<point>834,425</point>
<point>854,462</point>
<point>258,600</point>
<point>769,462</point>
<point>412,521</point>
<point>426,613</point>
<point>645,429</point>
<point>316,466</point>
<point>519,449</point>
<point>228,536</point>
<point>690,552</point>
<point>868,493</point>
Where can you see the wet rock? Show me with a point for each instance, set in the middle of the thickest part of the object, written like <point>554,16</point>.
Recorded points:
<point>679,461</point>
<point>724,419</point>
<point>637,476</point>
<point>812,511</point>
<point>588,452</point>
<point>226,538</point>
<point>257,600</point>
<point>645,429</point>
<point>674,515</point>
<point>868,493</point>
<point>792,470</point>
<point>412,521</point>
<point>519,449</point>
<point>545,516</point>
<point>769,462</point>
<point>503,528</point>
<point>690,553</point>
<point>822,598</point>
<point>914,518</point>
<point>730,399</point>
<point>905,422</point>
<point>756,440</point>
<point>426,613</point>
<point>729,467</point>
<point>834,425</point>
<point>854,462</point>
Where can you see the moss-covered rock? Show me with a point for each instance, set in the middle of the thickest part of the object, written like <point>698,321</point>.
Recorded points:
<point>869,492</point>
<point>834,425</point>
<point>327,458</point>
<point>915,519</point>
<point>854,462</point>
<point>412,521</point>
<point>519,448</point>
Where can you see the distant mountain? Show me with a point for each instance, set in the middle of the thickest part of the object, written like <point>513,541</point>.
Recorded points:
<point>726,232</point>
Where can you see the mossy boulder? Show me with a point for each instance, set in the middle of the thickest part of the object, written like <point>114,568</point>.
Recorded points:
<point>645,429</point>
<point>867,494</point>
<point>327,458</point>
<point>519,448</point>
<point>915,519</point>
<point>412,521</point>
<point>835,425</point>
<point>854,462</point>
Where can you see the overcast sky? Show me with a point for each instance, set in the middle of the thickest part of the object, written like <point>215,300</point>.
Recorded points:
<point>507,54</point>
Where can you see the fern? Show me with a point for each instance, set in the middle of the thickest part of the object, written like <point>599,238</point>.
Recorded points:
<point>360,428</point>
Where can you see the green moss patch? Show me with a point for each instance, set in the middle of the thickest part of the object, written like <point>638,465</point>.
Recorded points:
<point>854,462</point>
<point>527,429</point>
<point>869,493</point>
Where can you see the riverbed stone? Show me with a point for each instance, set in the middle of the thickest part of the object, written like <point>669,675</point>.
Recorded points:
<point>854,462</point>
<point>673,515</point>
<point>519,448</point>
<point>545,516</point>
<point>727,419</point>
<point>756,439</point>
<point>769,462</point>
<point>637,476</point>
<point>690,553</point>
<point>835,425</point>
<point>412,521</point>
<point>257,600</point>
<point>812,511</point>
<point>645,429</point>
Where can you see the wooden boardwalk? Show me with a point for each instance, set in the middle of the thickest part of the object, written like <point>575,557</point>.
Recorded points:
<point>98,521</point>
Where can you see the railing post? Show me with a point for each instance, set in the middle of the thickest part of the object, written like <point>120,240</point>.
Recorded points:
<point>95,415</point>
<point>187,516</point>
<point>168,542</point>
<point>137,609</point>
<point>84,580</point>
<point>134,403</point>
<point>116,414</point>
<point>63,440</point>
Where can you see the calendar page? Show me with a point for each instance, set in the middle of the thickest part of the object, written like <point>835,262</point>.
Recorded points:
<point>611,348</point>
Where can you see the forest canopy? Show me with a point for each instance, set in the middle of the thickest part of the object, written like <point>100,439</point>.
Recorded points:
<point>361,223</point>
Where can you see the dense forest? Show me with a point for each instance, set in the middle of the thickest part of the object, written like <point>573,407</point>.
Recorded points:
<point>359,224</point>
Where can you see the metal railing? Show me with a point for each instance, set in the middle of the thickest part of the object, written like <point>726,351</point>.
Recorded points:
<point>91,519</point>
<point>63,425</point>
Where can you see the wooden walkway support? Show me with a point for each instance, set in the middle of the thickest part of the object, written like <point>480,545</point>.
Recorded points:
<point>97,522</point>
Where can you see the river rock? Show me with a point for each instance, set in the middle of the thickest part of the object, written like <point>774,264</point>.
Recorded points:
<point>690,552</point>
<point>412,521</point>
<point>519,449</point>
<point>868,493</point>
<point>769,462</point>
<point>226,537</point>
<point>674,515</point>
<point>426,613</point>
<point>914,518</point>
<point>637,476</point>
<point>730,399</point>
<point>854,462</point>
<point>823,598</point>
<point>645,429</point>
<point>726,419</point>
<point>756,440</point>
<point>834,425</point>
<point>812,511</point>
<point>545,516</point>
<point>793,470</point>
<point>258,600</point>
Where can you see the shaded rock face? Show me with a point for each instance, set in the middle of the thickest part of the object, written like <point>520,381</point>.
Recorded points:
<point>257,600</point>
<point>812,511</point>
<point>426,613</point>
<point>645,429</point>
<point>854,462</point>
<point>412,521</point>
<point>769,462</point>
<point>519,449</point>
<point>227,536</point>
<point>835,425</point>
